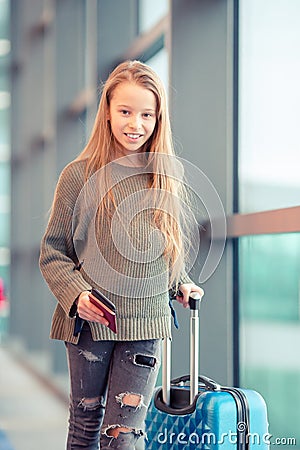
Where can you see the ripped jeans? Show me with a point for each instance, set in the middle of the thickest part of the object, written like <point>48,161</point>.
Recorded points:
<point>111,387</point>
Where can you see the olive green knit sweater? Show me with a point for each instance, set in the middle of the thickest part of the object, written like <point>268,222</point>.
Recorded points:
<point>139,317</point>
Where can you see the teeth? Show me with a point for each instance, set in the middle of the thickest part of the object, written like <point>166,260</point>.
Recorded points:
<point>133,136</point>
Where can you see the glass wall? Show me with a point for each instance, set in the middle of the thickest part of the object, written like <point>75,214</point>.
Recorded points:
<point>4,162</point>
<point>270,326</point>
<point>269,73</point>
<point>269,161</point>
<point>150,13</point>
<point>160,63</point>
<point>156,55</point>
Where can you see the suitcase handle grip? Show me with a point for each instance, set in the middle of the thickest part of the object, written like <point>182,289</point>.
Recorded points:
<point>194,301</point>
<point>210,384</point>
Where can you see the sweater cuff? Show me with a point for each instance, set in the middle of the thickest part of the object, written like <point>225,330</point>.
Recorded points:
<point>69,293</point>
<point>73,310</point>
<point>183,280</point>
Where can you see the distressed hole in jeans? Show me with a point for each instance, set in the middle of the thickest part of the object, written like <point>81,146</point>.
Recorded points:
<point>91,404</point>
<point>145,361</point>
<point>89,356</point>
<point>114,431</point>
<point>130,399</point>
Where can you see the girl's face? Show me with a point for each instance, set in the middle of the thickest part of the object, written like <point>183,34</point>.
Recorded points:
<point>132,115</point>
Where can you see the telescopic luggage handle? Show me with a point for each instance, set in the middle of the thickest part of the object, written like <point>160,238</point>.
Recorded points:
<point>194,303</point>
<point>209,384</point>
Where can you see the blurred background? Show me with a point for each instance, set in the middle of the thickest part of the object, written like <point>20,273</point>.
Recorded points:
<point>232,70</point>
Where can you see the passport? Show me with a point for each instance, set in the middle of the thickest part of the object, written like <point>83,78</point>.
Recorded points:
<point>106,306</point>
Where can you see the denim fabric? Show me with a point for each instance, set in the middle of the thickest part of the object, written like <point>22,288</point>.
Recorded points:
<point>104,377</point>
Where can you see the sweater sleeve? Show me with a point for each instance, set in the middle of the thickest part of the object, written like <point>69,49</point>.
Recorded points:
<point>183,279</point>
<point>57,255</point>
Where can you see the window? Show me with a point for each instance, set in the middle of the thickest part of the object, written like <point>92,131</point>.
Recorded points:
<point>269,74</point>
<point>4,152</point>
<point>270,326</point>
<point>269,157</point>
<point>159,63</point>
<point>151,12</point>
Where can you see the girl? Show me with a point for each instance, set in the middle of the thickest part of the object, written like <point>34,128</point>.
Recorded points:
<point>112,375</point>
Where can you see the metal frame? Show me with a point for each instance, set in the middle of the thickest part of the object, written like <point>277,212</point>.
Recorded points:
<point>143,43</point>
<point>285,220</point>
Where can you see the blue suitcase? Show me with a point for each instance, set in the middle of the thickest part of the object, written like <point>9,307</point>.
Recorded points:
<point>203,415</point>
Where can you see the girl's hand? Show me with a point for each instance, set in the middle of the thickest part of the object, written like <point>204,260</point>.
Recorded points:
<point>88,311</point>
<point>186,289</point>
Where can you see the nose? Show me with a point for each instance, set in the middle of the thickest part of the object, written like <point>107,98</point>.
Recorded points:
<point>135,122</point>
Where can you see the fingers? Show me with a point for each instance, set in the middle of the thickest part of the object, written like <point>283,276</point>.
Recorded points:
<point>185,291</point>
<point>88,311</point>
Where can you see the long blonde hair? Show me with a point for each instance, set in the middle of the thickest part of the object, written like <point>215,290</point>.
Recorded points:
<point>99,152</point>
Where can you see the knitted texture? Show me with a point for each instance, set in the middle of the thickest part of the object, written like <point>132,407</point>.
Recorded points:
<point>139,317</point>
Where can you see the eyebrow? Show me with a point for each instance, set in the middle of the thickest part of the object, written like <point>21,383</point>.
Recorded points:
<point>128,107</point>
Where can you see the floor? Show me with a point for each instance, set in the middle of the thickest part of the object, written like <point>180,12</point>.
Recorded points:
<point>33,409</point>
<point>32,415</point>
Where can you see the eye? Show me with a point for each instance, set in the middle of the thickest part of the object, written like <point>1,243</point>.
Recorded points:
<point>148,115</point>
<point>124,112</point>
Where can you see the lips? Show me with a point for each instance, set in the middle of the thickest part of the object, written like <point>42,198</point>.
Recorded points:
<point>133,136</point>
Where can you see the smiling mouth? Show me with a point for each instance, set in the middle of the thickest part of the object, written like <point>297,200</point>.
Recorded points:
<point>133,136</point>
